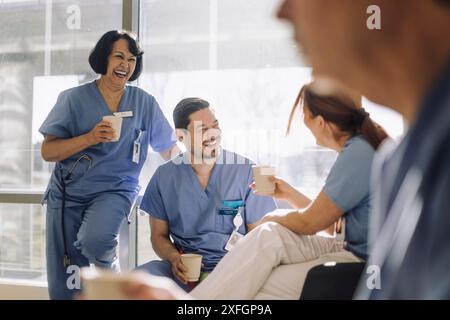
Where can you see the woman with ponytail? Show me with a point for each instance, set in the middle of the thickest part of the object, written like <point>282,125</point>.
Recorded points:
<point>338,122</point>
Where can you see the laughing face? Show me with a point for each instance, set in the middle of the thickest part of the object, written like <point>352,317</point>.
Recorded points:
<point>121,64</point>
<point>205,134</point>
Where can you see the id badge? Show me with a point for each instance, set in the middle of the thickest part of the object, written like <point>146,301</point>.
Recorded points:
<point>234,239</point>
<point>125,114</point>
<point>227,211</point>
<point>136,152</point>
<point>233,203</point>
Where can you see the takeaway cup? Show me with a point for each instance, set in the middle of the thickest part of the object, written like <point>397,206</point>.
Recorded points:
<point>193,263</point>
<point>116,123</point>
<point>261,175</point>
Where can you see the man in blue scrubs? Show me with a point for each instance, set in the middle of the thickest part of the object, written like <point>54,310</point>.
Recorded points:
<point>195,198</point>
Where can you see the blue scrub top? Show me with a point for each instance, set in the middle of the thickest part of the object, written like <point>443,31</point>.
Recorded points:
<point>111,168</point>
<point>175,195</point>
<point>348,186</point>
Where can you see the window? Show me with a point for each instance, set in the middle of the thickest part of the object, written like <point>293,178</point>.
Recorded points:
<point>242,60</point>
<point>245,63</point>
<point>44,49</point>
<point>22,242</point>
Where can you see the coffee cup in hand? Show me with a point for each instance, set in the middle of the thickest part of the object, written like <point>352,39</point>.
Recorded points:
<point>193,264</point>
<point>261,175</point>
<point>116,123</point>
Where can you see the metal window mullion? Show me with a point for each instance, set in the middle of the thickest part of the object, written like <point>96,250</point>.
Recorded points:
<point>21,198</point>
<point>130,22</point>
<point>133,239</point>
<point>130,15</point>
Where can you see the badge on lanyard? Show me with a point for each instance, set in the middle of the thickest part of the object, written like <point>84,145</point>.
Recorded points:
<point>235,235</point>
<point>125,114</point>
<point>230,208</point>
<point>137,148</point>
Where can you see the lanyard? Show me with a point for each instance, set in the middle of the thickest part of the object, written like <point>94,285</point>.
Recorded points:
<point>235,235</point>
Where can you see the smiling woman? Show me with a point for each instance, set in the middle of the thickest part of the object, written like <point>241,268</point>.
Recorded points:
<point>95,181</point>
<point>114,47</point>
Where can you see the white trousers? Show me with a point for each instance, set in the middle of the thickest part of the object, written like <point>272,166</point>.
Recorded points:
<point>252,268</point>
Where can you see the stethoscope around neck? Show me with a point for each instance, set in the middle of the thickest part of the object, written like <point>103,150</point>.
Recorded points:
<point>66,259</point>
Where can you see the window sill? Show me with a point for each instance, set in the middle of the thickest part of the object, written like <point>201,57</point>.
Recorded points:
<point>13,289</point>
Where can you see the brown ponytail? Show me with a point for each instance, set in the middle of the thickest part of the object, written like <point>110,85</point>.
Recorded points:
<point>341,110</point>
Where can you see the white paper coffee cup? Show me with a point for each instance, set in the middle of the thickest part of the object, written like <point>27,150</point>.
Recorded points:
<point>261,175</point>
<point>116,123</point>
<point>103,285</point>
<point>193,263</point>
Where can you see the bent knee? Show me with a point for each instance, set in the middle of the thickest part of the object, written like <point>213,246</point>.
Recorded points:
<point>97,247</point>
<point>271,232</point>
<point>271,227</point>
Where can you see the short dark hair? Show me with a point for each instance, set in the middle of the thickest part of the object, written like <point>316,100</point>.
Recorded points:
<point>98,59</point>
<point>185,108</point>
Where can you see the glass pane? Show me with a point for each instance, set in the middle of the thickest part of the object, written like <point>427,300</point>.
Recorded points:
<point>22,242</point>
<point>246,64</point>
<point>175,46</point>
<point>145,250</point>
<point>44,48</point>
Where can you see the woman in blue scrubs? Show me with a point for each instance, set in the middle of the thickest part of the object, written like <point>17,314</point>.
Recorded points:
<point>95,181</point>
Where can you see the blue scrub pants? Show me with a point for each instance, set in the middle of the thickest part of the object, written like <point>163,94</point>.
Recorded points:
<point>92,232</point>
<point>162,269</point>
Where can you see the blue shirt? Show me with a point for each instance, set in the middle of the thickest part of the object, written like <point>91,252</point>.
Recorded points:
<point>196,224</point>
<point>410,238</point>
<point>111,167</point>
<point>348,186</point>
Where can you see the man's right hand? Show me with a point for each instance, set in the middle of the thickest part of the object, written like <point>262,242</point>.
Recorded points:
<point>178,268</point>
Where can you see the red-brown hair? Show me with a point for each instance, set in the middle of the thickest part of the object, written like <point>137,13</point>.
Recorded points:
<point>343,111</point>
